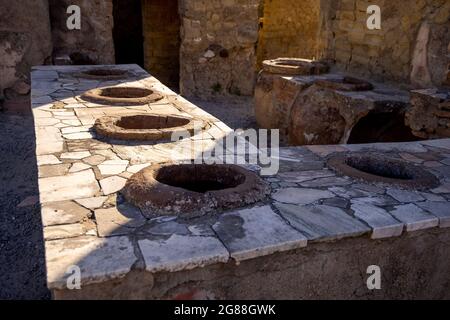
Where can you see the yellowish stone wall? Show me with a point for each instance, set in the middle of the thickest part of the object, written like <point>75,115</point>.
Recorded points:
<point>218,40</point>
<point>290,28</point>
<point>161,24</point>
<point>387,53</point>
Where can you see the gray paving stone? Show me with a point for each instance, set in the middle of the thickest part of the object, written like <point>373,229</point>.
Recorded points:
<point>432,197</point>
<point>322,222</point>
<point>302,176</point>
<point>411,158</point>
<point>349,192</point>
<point>120,220</point>
<point>443,188</point>
<point>182,253</point>
<point>438,209</point>
<point>326,182</point>
<point>201,229</point>
<point>168,228</point>
<point>376,201</point>
<point>409,147</point>
<point>369,188</point>
<point>414,217</point>
<point>337,202</point>
<point>382,223</point>
<point>98,259</point>
<point>404,195</point>
<point>256,232</point>
<point>301,195</point>
<point>440,143</point>
<point>324,151</point>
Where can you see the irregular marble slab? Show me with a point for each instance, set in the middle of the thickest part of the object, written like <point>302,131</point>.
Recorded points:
<point>92,203</point>
<point>410,147</point>
<point>69,187</point>
<point>63,231</point>
<point>440,143</point>
<point>75,155</point>
<point>182,253</point>
<point>256,232</point>
<point>167,229</point>
<point>381,222</point>
<point>375,201</point>
<point>438,209</point>
<point>120,220</point>
<point>301,195</point>
<point>47,160</point>
<point>404,195</point>
<point>112,184</point>
<point>326,182</point>
<point>65,212</point>
<point>349,192</point>
<point>414,217</point>
<point>322,222</point>
<point>302,176</point>
<point>112,167</point>
<point>98,259</point>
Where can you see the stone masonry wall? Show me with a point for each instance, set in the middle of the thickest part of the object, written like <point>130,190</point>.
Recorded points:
<point>25,39</point>
<point>94,42</point>
<point>290,29</point>
<point>413,267</point>
<point>161,26</point>
<point>217,55</point>
<point>396,52</point>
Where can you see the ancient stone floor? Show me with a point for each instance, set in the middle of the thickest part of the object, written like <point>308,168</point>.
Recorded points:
<point>87,223</point>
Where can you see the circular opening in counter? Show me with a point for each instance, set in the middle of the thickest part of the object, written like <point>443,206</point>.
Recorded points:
<point>382,169</point>
<point>122,96</point>
<point>295,66</point>
<point>143,126</point>
<point>193,189</point>
<point>104,74</point>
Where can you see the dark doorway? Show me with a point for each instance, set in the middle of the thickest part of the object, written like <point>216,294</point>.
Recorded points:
<point>381,127</point>
<point>127,32</point>
<point>162,40</point>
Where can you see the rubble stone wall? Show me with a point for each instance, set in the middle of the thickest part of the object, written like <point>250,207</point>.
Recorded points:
<point>290,29</point>
<point>411,45</point>
<point>294,274</point>
<point>161,25</point>
<point>95,40</point>
<point>217,55</point>
<point>25,39</point>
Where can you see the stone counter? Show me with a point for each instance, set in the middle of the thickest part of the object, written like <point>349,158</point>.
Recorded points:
<point>313,237</point>
<point>308,113</point>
